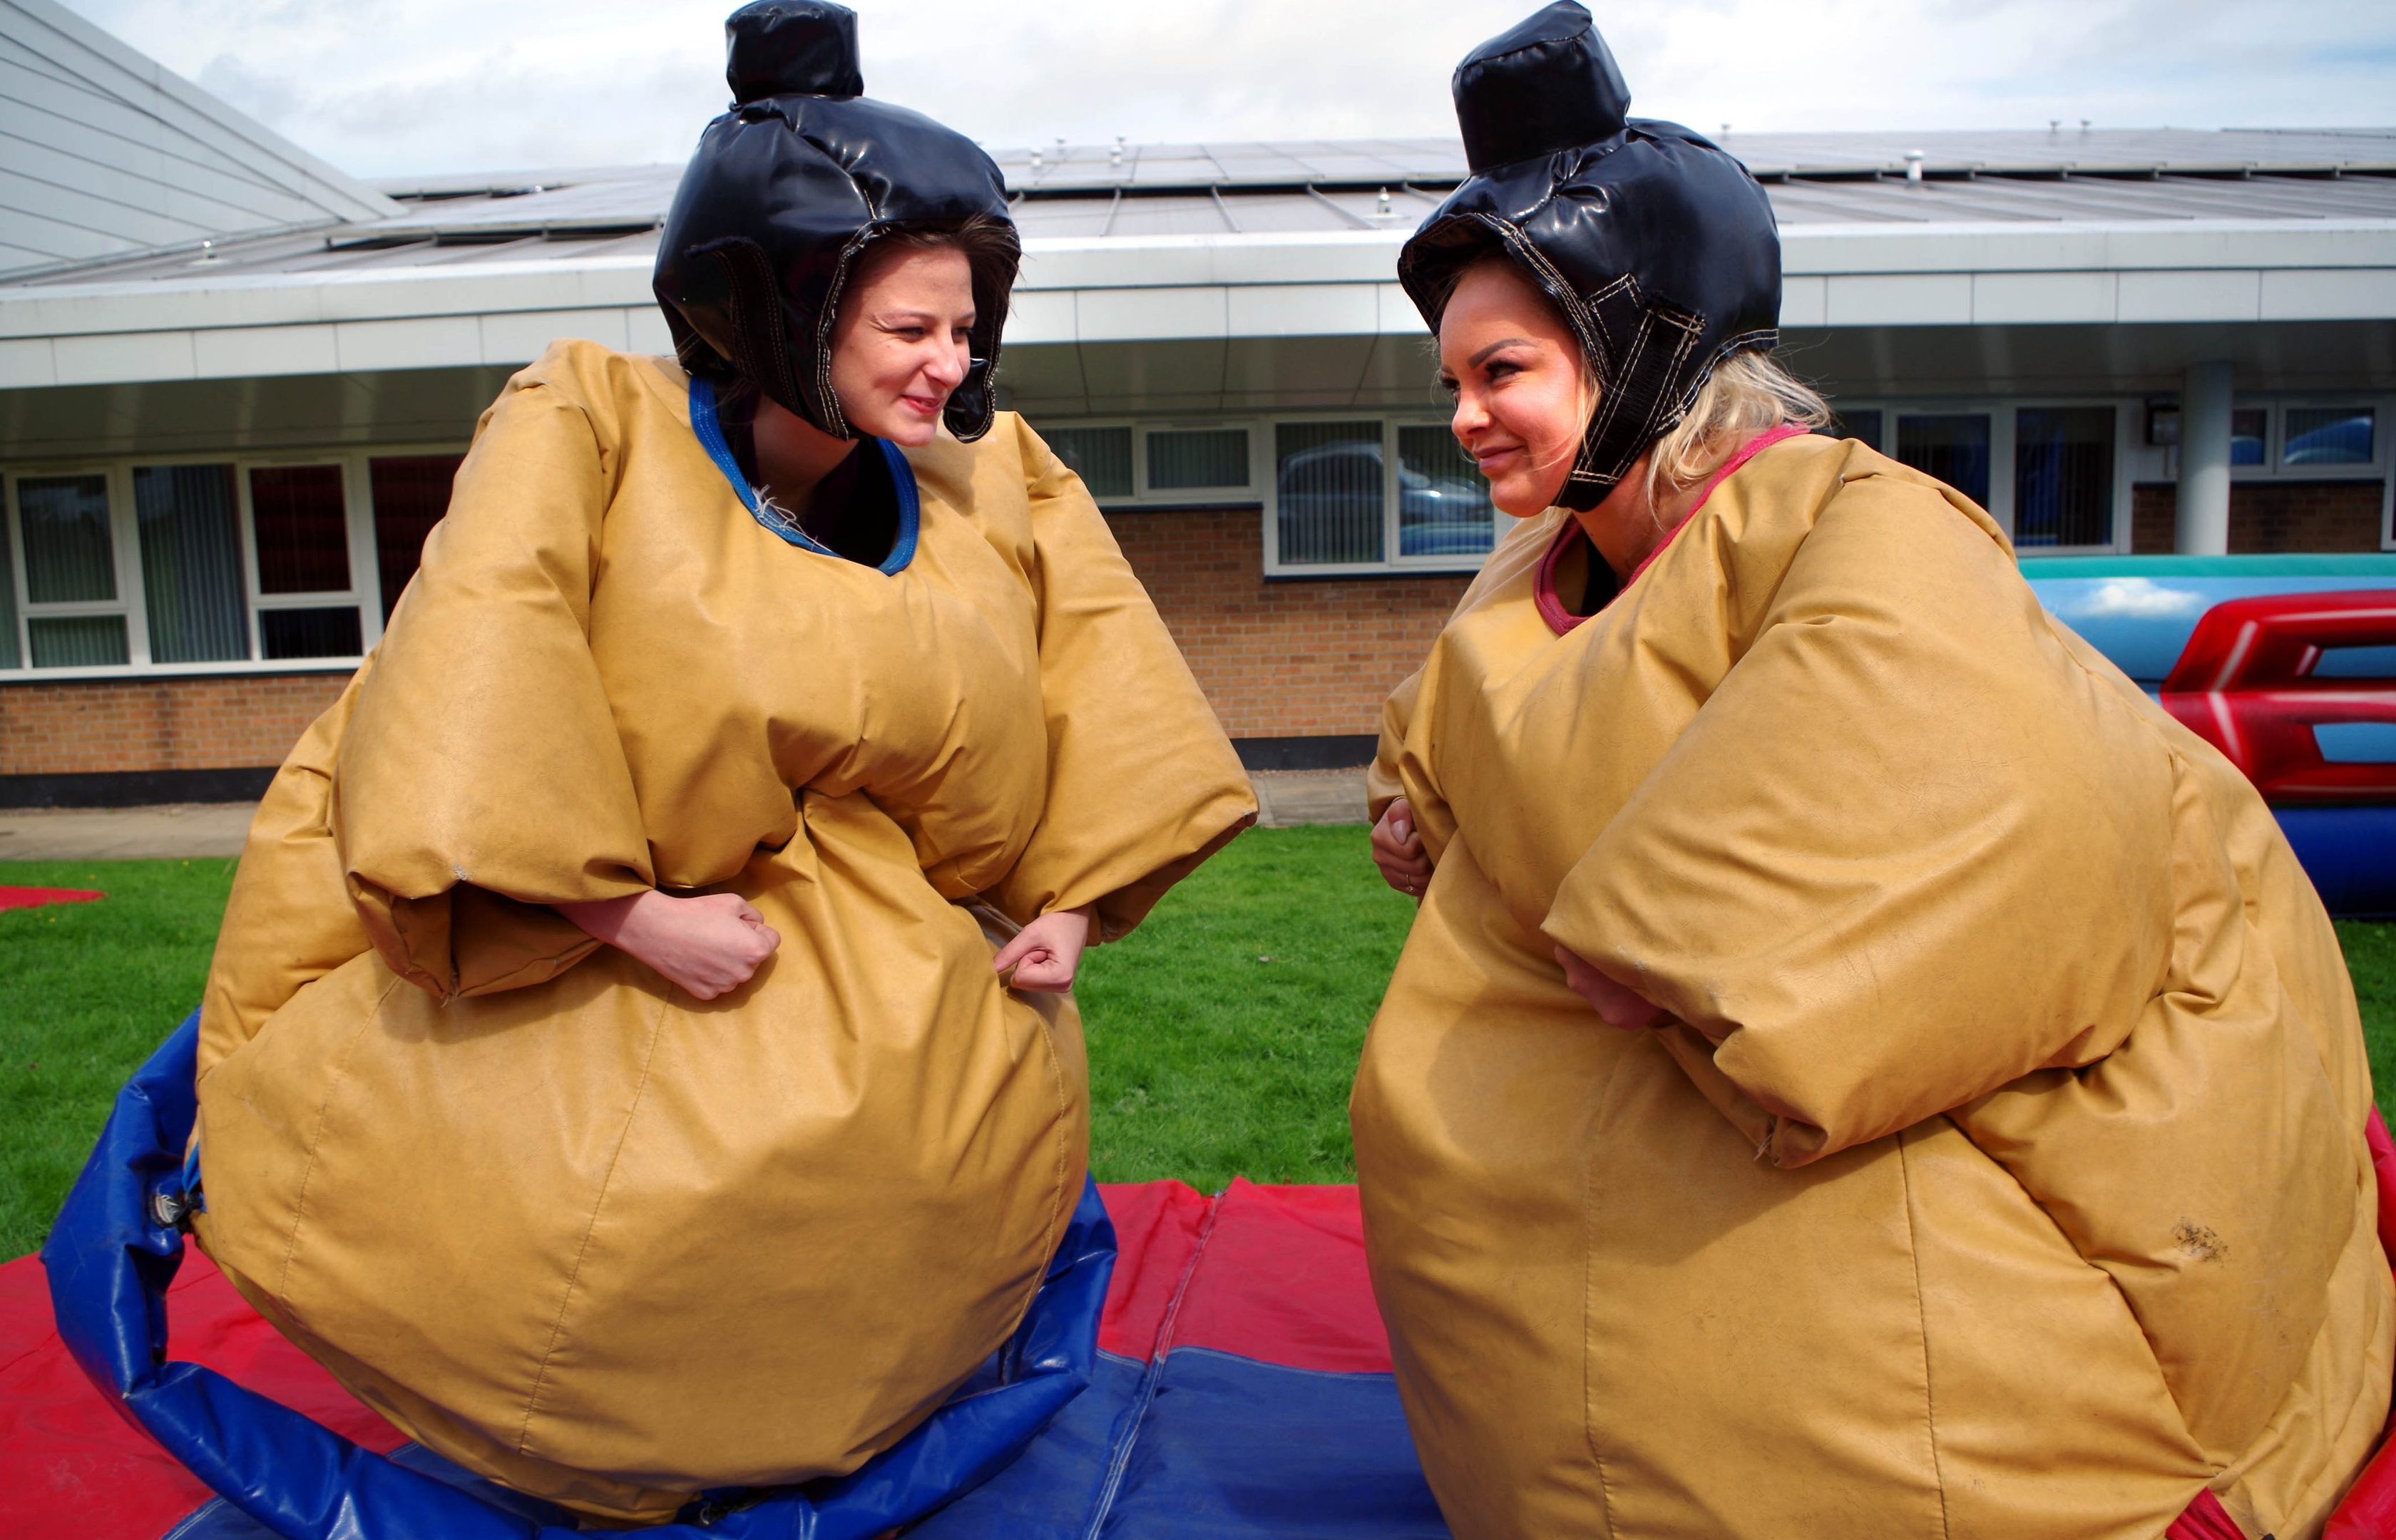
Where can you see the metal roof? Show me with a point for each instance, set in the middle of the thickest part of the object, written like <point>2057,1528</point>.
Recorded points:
<point>102,152</point>
<point>2107,151</point>
<point>1852,181</point>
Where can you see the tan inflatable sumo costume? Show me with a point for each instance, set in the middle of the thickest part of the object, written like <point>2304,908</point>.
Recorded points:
<point>2002,1174</point>
<point>561,1223</point>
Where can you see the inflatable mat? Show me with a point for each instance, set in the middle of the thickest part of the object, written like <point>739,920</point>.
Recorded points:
<point>1227,1371</point>
<point>1232,1373</point>
<point>2287,665</point>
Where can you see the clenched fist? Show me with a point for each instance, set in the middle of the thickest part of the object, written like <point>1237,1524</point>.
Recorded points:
<point>1398,850</point>
<point>705,947</point>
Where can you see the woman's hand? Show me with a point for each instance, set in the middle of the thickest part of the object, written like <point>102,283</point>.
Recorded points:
<point>705,947</point>
<point>1398,850</point>
<point>1625,1008</point>
<point>1044,953</point>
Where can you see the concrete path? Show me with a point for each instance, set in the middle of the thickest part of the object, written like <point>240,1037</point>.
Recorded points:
<point>1286,797</point>
<point>123,833</point>
<point>217,829</point>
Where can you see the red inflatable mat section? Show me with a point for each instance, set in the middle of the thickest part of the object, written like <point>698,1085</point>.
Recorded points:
<point>1272,1276</point>
<point>34,897</point>
<point>1283,1280</point>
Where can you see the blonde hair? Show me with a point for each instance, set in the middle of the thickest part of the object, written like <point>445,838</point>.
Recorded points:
<point>1747,394</point>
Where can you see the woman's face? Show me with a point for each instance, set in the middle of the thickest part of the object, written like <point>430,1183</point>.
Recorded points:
<point>1515,371</point>
<point>900,343</point>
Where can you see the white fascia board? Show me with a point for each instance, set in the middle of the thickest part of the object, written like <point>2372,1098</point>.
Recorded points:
<point>1158,288</point>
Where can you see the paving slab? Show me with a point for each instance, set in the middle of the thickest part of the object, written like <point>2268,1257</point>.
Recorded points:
<point>1287,797</point>
<point>173,830</point>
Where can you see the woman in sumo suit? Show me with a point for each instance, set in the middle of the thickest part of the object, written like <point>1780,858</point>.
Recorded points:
<point>618,1065</point>
<point>1860,1068</point>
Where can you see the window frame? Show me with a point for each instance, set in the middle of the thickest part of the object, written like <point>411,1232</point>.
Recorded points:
<point>126,562</point>
<point>1142,495</point>
<point>2275,407</point>
<point>2129,430</point>
<point>364,592</point>
<point>1265,459</point>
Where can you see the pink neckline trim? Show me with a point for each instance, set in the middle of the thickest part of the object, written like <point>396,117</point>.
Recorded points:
<point>1543,586</point>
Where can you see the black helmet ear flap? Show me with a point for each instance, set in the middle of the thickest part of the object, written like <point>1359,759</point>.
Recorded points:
<point>760,330</point>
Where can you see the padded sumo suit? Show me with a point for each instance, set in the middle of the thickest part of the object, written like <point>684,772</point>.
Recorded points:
<point>2000,1173</point>
<point>561,1223</point>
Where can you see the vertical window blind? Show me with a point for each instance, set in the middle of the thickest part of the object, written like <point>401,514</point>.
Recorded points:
<point>1102,456</point>
<point>2063,476</point>
<point>1192,459</point>
<point>192,589</point>
<point>69,559</point>
<point>410,492</point>
<point>1443,508</point>
<point>303,529</point>
<point>9,657</point>
<point>1953,447</point>
<point>1329,484</point>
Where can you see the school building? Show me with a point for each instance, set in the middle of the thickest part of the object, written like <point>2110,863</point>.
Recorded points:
<point>234,382</point>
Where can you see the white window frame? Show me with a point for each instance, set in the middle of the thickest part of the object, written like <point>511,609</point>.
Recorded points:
<point>1144,496</point>
<point>1191,496</point>
<point>2129,433</point>
<point>365,592</point>
<point>2381,467</point>
<point>1264,455</point>
<point>124,561</point>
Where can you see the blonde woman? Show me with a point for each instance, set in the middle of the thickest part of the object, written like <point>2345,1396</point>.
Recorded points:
<point>1859,1068</point>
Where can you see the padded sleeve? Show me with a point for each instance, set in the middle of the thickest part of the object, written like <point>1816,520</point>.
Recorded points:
<point>1909,850</point>
<point>482,760</point>
<point>1142,783</point>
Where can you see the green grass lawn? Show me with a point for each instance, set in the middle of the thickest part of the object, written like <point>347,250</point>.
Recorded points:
<point>1223,1034</point>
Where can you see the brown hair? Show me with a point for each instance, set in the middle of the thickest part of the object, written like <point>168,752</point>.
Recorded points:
<point>991,251</point>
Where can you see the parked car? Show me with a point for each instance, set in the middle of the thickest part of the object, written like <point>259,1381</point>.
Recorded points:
<point>1331,501</point>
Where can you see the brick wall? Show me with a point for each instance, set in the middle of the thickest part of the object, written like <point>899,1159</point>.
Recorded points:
<point>1279,659</point>
<point>121,724</point>
<point>2268,516</point>
<point>1286,658</point>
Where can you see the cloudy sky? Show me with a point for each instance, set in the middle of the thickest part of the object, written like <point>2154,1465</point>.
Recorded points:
<point>403,86</point>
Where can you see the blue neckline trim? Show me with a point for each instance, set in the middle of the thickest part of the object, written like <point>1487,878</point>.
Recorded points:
<point>902,477</point>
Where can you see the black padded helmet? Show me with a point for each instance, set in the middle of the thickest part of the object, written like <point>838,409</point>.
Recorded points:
<point>1659,247</point>
<point>788,186</point>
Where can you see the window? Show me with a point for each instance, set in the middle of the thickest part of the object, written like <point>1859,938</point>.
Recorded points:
<point>9,656</point>
<point>330,632</point>
<point>1178,464</point>
<point>1102,456</point>
<point>2328,436</point>
<point>1328,484</point>
<point>1953,447</point>
<point>303,529</point>
<point>300,525</point>
<point>73,618</point>
<point>2063,476</point>
<point>224,564</point>
<point>2249,426</point>
<point>410,494</point>
<point>1444,506</point>
<point>192,592</point>
<point>1862,425</point>
<point>1192,459</point>
<point>2056,475</point>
